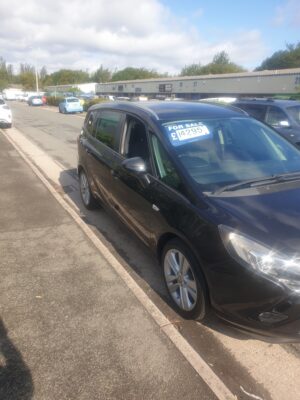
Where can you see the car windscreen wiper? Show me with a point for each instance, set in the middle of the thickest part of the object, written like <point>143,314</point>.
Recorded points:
<point>269,180</point>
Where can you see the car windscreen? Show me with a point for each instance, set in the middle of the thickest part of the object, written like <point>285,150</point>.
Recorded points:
<point>294,112</point>
<point>223,151</point>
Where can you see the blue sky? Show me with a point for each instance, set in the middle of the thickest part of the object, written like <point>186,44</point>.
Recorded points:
<point>164,35</point>
<point>277,21</point>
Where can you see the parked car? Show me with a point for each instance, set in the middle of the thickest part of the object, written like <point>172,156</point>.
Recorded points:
<point>35,101</point>
<point>215,193</point>
<point>282,115</point>
<point>70,105</point>
<point>5,115</point>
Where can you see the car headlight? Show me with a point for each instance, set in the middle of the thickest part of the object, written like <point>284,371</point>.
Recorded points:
<point>261,258</point>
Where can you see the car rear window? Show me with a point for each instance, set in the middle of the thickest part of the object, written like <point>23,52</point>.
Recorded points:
<point>72,100</point>
<point>106,130</point>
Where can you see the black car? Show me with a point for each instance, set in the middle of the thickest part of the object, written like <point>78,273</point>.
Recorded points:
<point>215,193</point>
<point>282,115</point>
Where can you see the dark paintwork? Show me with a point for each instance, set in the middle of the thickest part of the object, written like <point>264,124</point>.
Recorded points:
<point>269,214</point>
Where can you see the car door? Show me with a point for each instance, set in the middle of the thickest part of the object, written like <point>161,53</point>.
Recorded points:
<point>137,198</point>
<point>101,147</point>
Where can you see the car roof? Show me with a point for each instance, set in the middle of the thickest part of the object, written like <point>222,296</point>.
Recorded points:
<point>71,97</point>
<point>267,102</point>
<point>161,110</point>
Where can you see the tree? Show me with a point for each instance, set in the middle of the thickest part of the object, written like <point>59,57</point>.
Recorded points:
<point>43,73</point>
<point>131,73</point>
<point>67,77</point>
<point>220,64</point>
<point>191,70</point>
<point>4,79</point>
<point>288,58</point>
<point>101,75</point>
<point>27,79</point>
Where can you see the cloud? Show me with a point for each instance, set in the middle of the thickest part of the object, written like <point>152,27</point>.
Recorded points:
<point>85,34</point>
<point>288,13</point>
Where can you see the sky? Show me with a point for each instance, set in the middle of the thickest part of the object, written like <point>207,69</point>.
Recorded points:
<point>164,35</point>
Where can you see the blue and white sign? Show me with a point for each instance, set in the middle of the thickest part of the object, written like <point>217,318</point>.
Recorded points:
<point>186,132</point>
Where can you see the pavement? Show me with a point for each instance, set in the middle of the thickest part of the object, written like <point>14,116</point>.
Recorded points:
<point>69,326</point>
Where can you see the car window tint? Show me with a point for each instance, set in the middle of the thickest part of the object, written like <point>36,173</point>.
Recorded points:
<point>72,100</point>
<point>294,112</point>
<point>257,111</point>
<point>136,143</point>
<point>275,116</point>
<point>107,128</point>
<point>164,166</point>
<point>89,123</point>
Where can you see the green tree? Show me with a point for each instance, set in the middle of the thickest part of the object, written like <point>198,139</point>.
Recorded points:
<point>27,76</point>
<point>67,77</point>
<point>288,58</point>
<point>101,75</point>
<point>4,77</point>
<point>220,64</point>
<point>191,70</point>
<point>131,73</point>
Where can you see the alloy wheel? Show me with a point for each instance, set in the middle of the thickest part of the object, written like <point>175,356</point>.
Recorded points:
<point>180,280</point>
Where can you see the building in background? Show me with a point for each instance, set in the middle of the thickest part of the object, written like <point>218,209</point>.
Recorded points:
<point>260,83</point>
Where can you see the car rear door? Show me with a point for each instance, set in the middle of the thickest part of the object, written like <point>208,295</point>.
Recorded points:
<point>102,147</point>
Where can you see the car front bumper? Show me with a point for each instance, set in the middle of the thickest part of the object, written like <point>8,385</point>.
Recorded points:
<point>254,303</point>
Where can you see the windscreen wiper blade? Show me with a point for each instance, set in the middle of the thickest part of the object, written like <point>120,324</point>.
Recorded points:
<point>259,182</point>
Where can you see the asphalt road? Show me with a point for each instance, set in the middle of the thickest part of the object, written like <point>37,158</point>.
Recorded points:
<point>248,367</point>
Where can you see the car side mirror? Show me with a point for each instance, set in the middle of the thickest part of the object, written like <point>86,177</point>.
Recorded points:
<point>284,124</point>
<point>135,164</point>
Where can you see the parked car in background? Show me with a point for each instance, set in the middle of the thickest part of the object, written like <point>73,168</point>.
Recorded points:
<point>35,101</point>
<point>215,194</point>
<point>5,115</point>
<point>282,115</point>
<point>70,105</point>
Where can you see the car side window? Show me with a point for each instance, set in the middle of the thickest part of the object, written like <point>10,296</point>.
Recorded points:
<point>275,115</point>
<point>136,142</point>
<point>107,128</point>
<point>89,123</point>
<point>165,168</point>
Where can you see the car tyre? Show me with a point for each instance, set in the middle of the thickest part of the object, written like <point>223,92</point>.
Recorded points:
<point>87,197</point>
<point>184,281</point>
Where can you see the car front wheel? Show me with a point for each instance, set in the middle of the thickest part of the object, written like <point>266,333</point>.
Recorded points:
<point>87,197</point>
<point>184,281</point>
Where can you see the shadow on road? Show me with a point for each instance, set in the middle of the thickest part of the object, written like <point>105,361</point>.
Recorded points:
<point>15,377</point>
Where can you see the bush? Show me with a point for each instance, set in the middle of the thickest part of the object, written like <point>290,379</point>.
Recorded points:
<point>54,101</point>
<point>90,103</point>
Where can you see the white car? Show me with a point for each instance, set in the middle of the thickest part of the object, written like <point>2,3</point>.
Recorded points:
<point>5,115</point>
